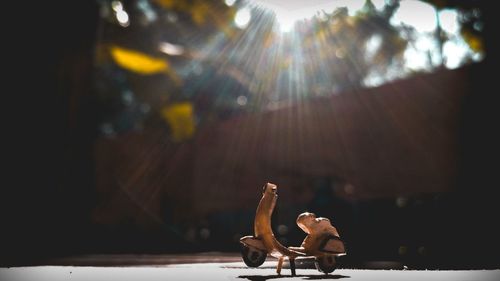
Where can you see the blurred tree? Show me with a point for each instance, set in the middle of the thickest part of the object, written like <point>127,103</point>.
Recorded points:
<point>471,19</point>
<point>356,47</point>
<point>145,52</point>
<point>190,44</point>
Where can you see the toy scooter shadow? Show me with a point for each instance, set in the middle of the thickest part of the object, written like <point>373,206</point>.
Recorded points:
<point>324,248</point>
<point>303,277</point>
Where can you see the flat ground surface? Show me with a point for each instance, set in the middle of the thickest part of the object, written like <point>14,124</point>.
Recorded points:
<point>219,268</point>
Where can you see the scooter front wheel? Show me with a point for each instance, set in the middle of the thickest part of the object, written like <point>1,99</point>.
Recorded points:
<point>326,264</point>
<point>252,257</point>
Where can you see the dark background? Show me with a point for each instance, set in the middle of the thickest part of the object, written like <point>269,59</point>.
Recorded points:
<point>51,190</point>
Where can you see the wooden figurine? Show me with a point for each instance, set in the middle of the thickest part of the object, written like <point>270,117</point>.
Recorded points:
<point>322,242</point>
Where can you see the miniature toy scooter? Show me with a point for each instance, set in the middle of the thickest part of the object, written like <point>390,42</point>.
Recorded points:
<point>320,242</point>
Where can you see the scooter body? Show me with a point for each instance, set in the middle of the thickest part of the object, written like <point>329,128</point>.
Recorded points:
<point>256,248</point>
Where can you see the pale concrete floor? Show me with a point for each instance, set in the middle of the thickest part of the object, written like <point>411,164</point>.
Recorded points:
<point>229,271</point>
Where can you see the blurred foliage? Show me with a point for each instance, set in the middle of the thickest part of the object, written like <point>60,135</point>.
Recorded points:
<point>346,43</point>
<point>221,69</point>
<point>138,62</point>
<point>471,23</point>
<point>180,117</point>
<point>203,13</point>
<point>475,42</point>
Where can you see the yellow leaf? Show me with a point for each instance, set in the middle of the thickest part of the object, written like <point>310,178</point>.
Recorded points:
<point>199,13</point>
<point>138,62</point>
<point>166,3</point>
<point>180,118</point>
<point>473,41</point>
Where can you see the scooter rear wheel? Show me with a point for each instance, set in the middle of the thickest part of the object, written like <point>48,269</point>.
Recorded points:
<point>252,257</point>
<point>326,264</point>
